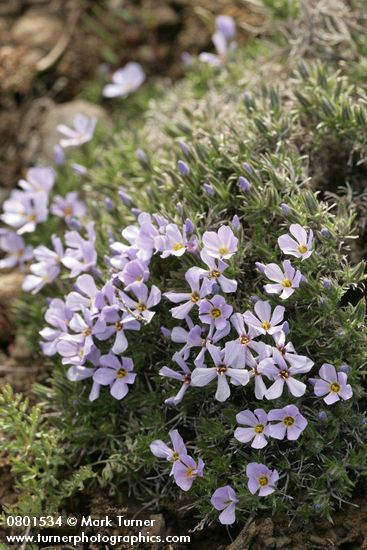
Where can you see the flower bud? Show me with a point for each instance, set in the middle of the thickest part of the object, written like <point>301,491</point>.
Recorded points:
<point>109,204</point>
<point>243,184</point>
<point>344,368</point>
<point>184,148</point>
<point>189,226</point>
<point>59,155</point>
<point>183,168</point>
<point>326,283</point>
<point>260,267</point>
<point>325,232</point>
<point>322,416</point>
<point>209,189</point>
<point>124,197</point>
<point>236,224</point>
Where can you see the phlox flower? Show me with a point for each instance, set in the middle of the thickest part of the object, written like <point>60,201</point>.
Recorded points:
<point>76,373</point>
<point>84,295</point>
<point>213,337</point>
<point>221,244</point>
<point>261,479</point>
<point>282,374</point>
<point>184,377</point>
<point>186,470</point>
<point>190,299</point>
<point>18,252</point>
<point>134,273</point>
<point>174,242</point>
<point>225,499</point>
<point>332,385</point>
<point>81,255</point>
<point>289,354</point>
<point>216,312</point>
<point>161,450</point>
<point>48,267</point>
<point>140,307</point>
<point>68,207</point>
<point>225,31</point>
<point>115,372</point>
<point>260,369</point>
<point>142,237</point>
<point>226,26</point>
<point>75,347</point>
<point>81,133</point>
<point>117,322</point>
<point>201,376</point>
<point>40,179</point>
<point>286,281</point>
<point>245,343</point>
<point>214,275</point>
<point>289,423</point>
<point>298,244</point>
<point>190,338</point>
<point>59,317</point>
<point>257,428</point>
<point>125,81</point>
<point>265,322</point>
<point>24,211</point>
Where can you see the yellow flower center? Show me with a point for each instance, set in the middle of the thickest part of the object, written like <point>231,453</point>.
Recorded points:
<point>263,481</point>
<point>214,274</point>
<point>244,340</point>
<point>255,372</point>
<point>266,325</point>
<point>302,249</point>
<point>175,456</point>
<point>195,297</point>
<point>187,379</point>
<point>223,250</point>
<point>178,246</point>
<point>141,307</point>
<point>68,211</point>
<point>288,420</point>
<point>335,387</point>
<point>259,429</point>
<point>86,332</point>
<point>284,374</point>
<point>190,472</point>
<point>118,326</point>
<point>32,217</point>
<point>221,369</point>
<point>286,283</point>
<point>121,373</point>
<point>216,312</point>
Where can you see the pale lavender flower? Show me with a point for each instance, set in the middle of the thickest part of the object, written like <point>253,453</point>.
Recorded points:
<point>85,327</point>
<point>332,385</point>
<point>184,377</point>
<point>125,81</point>
<point>48,267</point>
<point>134,274</point>
<point>202,376</point>
<point>140,307</point>
<point>225,498</point>
<point>59,317</point>
<point>214,274</point>
<point>84,294</point>
<point>24,211</point>
<point>298,244</point>
<point>18,252</point>
<point>257,428</point>
<point>40,179</point>
<point>289,354</point>
<point>116,324</point>
<point>68,207</point>
<point>226,26</point>
<point>142,237</point>
<point>81,255</point>
<point>186,470</point>
<point>263,361</point>
<point>286,281</point>
<point>221,244</point>
<point>71,347</point>
<point>261,479</point>
<point>289,423</point>
<point>81,133</point>
<point>58,155</point>
<point>282,374</point>
<point>161,450</point>
<point>242,346</point>
<point>216,311</point>
<point>190,299</point>
<point>173,242</point>
<point>213,337</point>
<point>265,321</point>
<point>116,372</point>
<point>76,373</point>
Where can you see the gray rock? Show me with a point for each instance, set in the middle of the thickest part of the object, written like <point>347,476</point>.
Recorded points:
<point>10,7</point>
<point>35,29</point>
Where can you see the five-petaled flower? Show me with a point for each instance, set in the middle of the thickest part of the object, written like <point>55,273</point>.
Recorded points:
<point>225,499</point>
<point>286,281</point>
<point>332,385</point>
<point>289,423</point>
<point>298,244</point>
<point>256,430</point>
<point>261,479</point>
